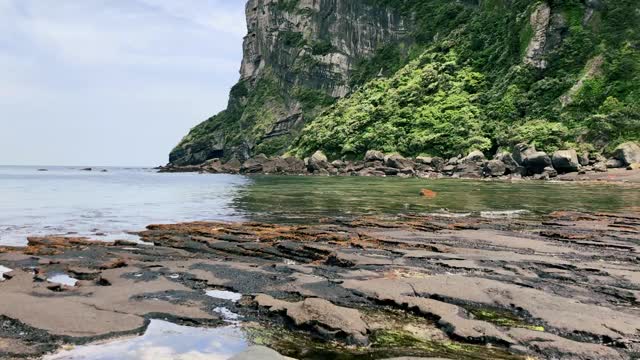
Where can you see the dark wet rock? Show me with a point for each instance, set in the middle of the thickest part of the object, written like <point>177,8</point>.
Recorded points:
<point>536,162</point>
<point>470,170</point>
<point>254,165</point>
<point>522,151</point>
<point>233,166</point>
<point>373,155</point>
<point>437,163</point>
<point>628,153</point>
<point>494,168</point>
<point>327,320</point>
<point>614,164</point>
<point>87,169</point>
<point>566,161</point>
<point>213,166</point>
<point>398,162</point>
<point>511,165</point>
<point>583,159</point>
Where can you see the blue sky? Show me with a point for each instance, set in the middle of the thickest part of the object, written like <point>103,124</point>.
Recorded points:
<point>112,82</point>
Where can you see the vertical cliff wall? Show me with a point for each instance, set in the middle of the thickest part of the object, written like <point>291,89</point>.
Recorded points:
<point>298,58</point>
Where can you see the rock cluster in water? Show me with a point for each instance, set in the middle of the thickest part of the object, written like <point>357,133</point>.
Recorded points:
<point>523,161</point>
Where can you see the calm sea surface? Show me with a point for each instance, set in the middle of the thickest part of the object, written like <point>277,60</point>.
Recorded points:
<point>109,205</point>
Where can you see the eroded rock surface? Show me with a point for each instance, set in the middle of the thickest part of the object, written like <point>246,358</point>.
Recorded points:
<point>563,286</point>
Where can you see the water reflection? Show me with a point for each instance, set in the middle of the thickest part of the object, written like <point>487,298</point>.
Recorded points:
<point>165,341</point>
<point>310,198</point>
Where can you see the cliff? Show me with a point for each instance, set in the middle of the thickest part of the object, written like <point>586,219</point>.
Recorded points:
<point>299,55</point>
<point>433,77</point>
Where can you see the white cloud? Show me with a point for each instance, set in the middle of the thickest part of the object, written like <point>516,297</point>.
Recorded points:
<point>143,64</point>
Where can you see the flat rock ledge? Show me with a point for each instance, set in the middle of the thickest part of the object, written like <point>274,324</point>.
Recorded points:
<point>563,286</point>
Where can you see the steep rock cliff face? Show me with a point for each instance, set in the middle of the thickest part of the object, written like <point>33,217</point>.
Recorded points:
<point>298,58</point>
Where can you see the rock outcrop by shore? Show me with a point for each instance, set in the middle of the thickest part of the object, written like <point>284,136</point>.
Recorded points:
<point>524,161</point>
<point>564,286</point>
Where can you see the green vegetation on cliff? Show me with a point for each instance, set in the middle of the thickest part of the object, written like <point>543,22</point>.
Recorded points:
<point>455,76</point>
<point>471,89</point>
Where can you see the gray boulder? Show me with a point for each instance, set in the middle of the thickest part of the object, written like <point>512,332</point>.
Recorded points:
<point>232,166</point>
<point>628,153</point>
<point>469,170</point>
<point>255,164</point>
<point>600,167</point>
<point>424,160</point>
<point>550,171</point>
<point>494,168</point>
<point>295,165</point>
<point>398,162</point>
<point>536,162</point>
<point>373,155</point>
<point>522,151</point>
<point>437,163</point>
<point>512,167</point>
<point>475,156</point>
<point>318,161</point>
<point>584,159</point>
<point>566,161</point>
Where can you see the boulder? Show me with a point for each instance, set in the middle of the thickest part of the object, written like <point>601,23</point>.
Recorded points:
<point>254,165</point>
<point>398,162</point>
<point>634,166</point>
<point>494,168</point>
<point>339,164</point>
<point>614,164</point>
<point>437,163</point>
<point>295,165</point>
<point>566,161</point>
<point>522,151</point>
<point>318,161</point>
<point>453,161</point>
<point>628,153</point>
<point>448,169</point>
<point>388,171</point>
<point>536,162</point>
<point>424,160</point>
<point>475,156</point>
<point>550,171</point>
<point>322,317</point>
<point>469,170</point>
<point>232,166</point>
<point>583,159</point>
<point>213,166</point>
<point>511,166</point>
<point>373,155</point>
<point>600,167</point>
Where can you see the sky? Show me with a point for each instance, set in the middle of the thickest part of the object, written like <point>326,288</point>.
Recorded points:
<point>112,82</point>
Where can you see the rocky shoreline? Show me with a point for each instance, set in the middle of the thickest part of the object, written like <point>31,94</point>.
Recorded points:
<point>566,285</point>
<point>524,162</point>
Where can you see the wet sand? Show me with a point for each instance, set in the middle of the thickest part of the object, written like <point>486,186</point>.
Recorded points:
<point>566,285</point>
